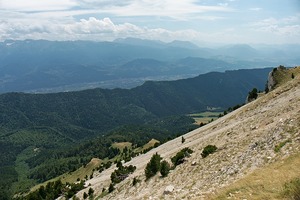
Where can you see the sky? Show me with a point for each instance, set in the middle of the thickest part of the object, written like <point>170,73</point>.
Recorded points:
<point>199,21</point>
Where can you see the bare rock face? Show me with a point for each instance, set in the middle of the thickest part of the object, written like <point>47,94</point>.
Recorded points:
<point>271,80</point>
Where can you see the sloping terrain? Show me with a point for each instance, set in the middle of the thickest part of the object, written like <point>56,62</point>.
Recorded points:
<point>259,137</point>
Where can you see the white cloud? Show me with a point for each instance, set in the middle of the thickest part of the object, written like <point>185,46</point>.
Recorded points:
<point>36,5</point>
<point>92,29</point>
<point>165,8</point>
<point>288,26</point>
<point>165,20</point>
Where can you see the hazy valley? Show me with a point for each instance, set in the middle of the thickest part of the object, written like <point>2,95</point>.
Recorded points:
<point>52,66</point>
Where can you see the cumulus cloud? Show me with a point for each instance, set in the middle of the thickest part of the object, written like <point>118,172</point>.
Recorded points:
<point>88,29</point>
<point>288,26</point>
<point>93,28</point>
<point>164,20</point>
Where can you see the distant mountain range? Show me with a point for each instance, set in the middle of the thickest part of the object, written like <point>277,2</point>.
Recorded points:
<point>52,66</point>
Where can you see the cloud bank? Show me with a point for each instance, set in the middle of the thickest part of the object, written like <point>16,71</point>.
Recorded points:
<point>225,21</point>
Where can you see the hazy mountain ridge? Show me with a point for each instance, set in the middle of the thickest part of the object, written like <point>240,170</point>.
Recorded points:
<point>45,66</point>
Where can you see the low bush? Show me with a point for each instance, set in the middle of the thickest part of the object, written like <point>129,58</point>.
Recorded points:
<point>280,145</point>
<point>121,173</point>
<point>179,157</point>
<point>209,149</point>
<point>153,166</point>
<point>164,168</point>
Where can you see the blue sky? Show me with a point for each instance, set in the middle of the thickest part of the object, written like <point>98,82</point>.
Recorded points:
<point>199,21</point>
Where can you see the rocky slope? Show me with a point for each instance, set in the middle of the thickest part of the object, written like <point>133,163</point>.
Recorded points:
<point>247,140</point>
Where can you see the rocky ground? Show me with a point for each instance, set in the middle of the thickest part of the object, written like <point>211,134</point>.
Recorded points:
<point>246,140</point>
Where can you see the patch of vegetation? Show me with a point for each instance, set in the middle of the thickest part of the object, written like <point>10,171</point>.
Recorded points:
<point>153,166</point>
<point>209,149</point>
<point>54,190</point>
<point>280,145</point>
<point>111,188</point>
<point>164,168</point>
<point>291,189</point>
<point>179,157</point>
<point>283,75</point>
<point>205,117</point>
<point>252,95</point>
<point>182,139</point>
<point>121,173</point>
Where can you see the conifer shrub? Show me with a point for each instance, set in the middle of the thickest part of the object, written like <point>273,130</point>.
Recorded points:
<point>111,188</point>
<point>85,195</point>
<point>91,191</point>
<point>293,76</point>
<point>209,149</point>
<point>164,168</point>
<point>121,173</point>
<point>253,95</point>
<point>153,166</point>
<point>135,181</point>
<point>179,157</point>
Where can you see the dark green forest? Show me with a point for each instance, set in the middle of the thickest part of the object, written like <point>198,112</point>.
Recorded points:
<point>45,135</point>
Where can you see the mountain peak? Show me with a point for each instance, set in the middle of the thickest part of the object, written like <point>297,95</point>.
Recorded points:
<point>183,44</point>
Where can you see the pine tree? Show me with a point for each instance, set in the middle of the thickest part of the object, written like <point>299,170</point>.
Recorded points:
<point>164,168</point>
<point>85,195</point>
<point>182,139</point>
<point>91,191</point>
<point>111,188</point>
<point>153,166</point>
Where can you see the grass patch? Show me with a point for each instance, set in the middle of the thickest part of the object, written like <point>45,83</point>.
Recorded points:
<point>150,144</point>
<point>81,173</point>
<point>146,146</point>
<point>283,76</point>
<point>205,117</point>
<point>292,189</point>
<point>280,145</point>
<point>121,145</point>
<point>264,183</point>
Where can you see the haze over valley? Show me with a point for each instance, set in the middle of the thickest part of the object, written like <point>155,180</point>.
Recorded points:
<point>51,66</point>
